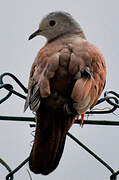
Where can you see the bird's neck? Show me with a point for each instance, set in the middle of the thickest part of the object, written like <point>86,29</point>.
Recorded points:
<point>77,31</point>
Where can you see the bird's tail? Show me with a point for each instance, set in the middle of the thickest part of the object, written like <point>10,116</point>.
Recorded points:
<point>50,135</point>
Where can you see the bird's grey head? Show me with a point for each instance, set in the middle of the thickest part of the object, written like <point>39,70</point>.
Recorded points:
<point>56,24</point>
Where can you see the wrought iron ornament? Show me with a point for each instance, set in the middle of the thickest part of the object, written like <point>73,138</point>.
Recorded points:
<point>110,97</point>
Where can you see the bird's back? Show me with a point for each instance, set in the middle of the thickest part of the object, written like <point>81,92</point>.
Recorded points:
<point>64,66</point>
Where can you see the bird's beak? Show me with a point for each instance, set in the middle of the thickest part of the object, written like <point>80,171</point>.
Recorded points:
<point>34,34</point>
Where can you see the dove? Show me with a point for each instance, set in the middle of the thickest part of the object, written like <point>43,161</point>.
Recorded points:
<point>66,79</point>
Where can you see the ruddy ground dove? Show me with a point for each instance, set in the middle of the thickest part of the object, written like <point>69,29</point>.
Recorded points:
<point>66,79</point>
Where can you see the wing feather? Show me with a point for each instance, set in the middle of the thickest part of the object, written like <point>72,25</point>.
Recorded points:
<point>39,85</point>
<point>91,79</point>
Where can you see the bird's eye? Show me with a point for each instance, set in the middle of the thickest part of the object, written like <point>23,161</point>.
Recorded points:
<point>52,23</point>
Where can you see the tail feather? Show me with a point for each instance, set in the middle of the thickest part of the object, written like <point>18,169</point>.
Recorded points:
<point>49,142</point>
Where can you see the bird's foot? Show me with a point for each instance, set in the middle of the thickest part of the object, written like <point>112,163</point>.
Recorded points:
<point>82,119</point>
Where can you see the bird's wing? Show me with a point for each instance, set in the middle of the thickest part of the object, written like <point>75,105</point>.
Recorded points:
<point>43,69</point>
<point>91,79</point>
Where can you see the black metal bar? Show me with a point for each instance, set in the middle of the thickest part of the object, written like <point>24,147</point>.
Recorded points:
<point>91,152</point>
<point>8,177</point>
<point>5,165</point>
<point>8,94</point>
<point>116,104</point>
<point>16,118</point>
<point>88,122</point>
<point>9,87</point>
<point>15,79</point>
<point>111,110</point>
<point>98,122</point>
<point>114,175</point>
<point>17,94</point>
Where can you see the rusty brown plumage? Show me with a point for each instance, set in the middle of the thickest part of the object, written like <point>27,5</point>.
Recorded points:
<point>66,79</point>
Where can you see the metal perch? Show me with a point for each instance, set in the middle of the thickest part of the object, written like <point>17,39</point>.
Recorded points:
<point>110,97</point>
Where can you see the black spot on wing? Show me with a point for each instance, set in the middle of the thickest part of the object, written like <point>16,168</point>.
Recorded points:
<point>86,73</point>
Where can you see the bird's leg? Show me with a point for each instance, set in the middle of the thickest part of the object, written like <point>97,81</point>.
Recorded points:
<point>77,117</point>
<point>35,118</point>
<point>82,119</point>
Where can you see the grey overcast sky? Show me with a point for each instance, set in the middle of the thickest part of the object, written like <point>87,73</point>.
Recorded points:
<point>100,21</point>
